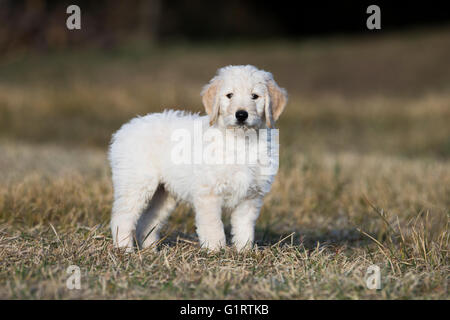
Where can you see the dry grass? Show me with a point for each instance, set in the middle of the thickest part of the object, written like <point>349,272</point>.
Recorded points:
<point>364,174</point>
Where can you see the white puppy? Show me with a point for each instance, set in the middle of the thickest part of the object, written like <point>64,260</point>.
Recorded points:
<point>151,172</point>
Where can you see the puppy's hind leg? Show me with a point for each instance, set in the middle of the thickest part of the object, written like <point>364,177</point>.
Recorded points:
<point>154,218</point>
<point>129,204</point>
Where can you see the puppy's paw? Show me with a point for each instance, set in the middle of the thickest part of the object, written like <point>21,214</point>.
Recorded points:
<point>213,246</point>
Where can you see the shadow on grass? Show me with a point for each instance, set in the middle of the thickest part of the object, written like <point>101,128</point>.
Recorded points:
<point>309,239</point>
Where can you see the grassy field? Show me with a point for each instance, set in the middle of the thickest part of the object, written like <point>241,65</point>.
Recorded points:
<point>364,171</point>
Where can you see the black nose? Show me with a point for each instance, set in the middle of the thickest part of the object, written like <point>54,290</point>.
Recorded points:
<point>241,115</point>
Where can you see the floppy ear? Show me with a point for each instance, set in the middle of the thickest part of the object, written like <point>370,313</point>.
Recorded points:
<point>268,111</point>
<point>211,100</point>
<point>276,99</point>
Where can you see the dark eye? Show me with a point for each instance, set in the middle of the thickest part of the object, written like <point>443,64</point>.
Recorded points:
<point>255,96</point>
<point>229,96</point>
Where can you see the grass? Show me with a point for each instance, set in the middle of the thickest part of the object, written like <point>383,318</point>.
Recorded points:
<point>364,172</point>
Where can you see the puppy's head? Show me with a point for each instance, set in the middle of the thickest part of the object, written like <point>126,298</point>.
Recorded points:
<point>243,96</point>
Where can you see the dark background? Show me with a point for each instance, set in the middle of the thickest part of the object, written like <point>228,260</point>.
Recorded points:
<point>40,24</point>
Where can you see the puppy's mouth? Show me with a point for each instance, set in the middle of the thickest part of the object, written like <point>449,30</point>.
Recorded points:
<point>246,125</point>
<point>243,125</point>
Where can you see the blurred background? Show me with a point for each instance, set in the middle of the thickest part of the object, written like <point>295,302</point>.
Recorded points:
<point>38,24</point>
<point>350,88</point>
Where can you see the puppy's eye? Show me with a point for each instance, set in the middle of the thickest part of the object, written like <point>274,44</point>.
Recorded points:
<point>229,96</point>
<point>254,96</point>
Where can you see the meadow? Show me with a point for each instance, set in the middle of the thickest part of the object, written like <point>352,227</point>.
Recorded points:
<point>364,172</point>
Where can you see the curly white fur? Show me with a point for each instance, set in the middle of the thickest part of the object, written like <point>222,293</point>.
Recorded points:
<point>148,184</point>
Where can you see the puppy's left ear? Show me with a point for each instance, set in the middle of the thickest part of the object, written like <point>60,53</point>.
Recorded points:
<point>276,99</point>
<point>210,99</point>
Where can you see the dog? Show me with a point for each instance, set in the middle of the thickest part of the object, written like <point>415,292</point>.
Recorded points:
<point>149,179</point>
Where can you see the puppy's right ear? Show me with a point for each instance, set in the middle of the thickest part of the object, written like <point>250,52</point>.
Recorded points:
<point>210,99</point>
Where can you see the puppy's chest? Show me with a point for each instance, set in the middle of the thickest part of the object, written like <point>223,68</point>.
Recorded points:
<point>238,183</point>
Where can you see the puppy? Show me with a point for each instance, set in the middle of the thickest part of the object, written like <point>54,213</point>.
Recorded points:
<point>162,158</point>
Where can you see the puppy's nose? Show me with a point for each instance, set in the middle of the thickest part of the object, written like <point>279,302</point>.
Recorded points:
<point>241,115</point>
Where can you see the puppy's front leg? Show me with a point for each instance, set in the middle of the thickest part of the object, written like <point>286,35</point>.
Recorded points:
<point>208,211</point>
<point>243,220</point>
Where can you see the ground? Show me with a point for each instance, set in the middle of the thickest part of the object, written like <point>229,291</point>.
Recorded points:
<point>364,171</point>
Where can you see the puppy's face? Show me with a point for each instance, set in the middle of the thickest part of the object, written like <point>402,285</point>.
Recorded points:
<point>241,102</point>
<point>243,96</point>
